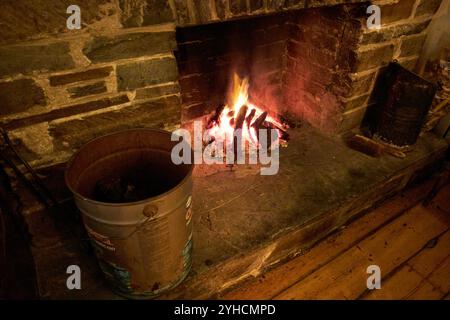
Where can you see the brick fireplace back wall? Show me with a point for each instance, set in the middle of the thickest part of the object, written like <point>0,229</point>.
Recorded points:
<point>60,87</point>
<point>209,55</point>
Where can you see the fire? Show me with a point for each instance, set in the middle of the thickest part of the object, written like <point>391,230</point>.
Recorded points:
<point>244,115</point>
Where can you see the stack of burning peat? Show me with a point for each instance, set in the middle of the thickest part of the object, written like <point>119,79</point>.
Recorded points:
<point>250,120</point>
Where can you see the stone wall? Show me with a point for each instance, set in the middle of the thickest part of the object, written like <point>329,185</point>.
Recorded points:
<point>60,87</point>
<point>333,64</point>
<point>401,37</point>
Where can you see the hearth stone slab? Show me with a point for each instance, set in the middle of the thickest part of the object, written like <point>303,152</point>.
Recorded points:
<point>245,222</point>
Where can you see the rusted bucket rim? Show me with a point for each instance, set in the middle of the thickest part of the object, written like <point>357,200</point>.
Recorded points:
<point>121,204</point>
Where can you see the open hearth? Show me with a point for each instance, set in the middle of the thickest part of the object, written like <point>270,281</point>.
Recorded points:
<point>243,222</point>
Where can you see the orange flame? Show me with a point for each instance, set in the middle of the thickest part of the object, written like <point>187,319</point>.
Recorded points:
<point>239,98</point>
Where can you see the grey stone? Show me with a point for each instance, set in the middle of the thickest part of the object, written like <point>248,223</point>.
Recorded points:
<point>203,11</point>
<point>368,59</point>
<point>221,6</point>
<point>20,95</point>
<point>396,11</point>
<point>412,45</point>
<point>27,58</point>
<point>361,85</point>
<point>144,73</point>
<point>25,19</point>
<point>80,76</point>
<point>238,7</point>
<point>256,5</point>
<point>138,13</point>
<point>356,102</point>
<point>394,32</point>
<point>150,114</point>
<point>68,111</point>
<point>182,12</point>
<point>90,89</point>
<point>131,45</point>
<point>157,91</point>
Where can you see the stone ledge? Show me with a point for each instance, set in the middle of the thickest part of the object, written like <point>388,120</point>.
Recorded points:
<point>244,222</point>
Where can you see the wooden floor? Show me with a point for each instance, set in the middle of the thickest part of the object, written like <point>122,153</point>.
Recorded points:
<point>410,245</point>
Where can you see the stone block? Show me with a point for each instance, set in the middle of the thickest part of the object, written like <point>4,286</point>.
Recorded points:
<point>238,7</point>
<point>24,19</point>
<point>68,111</point>
<point>256,5</point>
<point>91,74</point>
<point>87,90</point>
<point>19,96</point>
<point>138,13</point>
<point>372,58</point>
<point>27,58</point>
<point>412,45</point>
<point>182,12</point>
<point>352,119</point>
<point>144,73</point>
<point>151,114</point>
<point>396,11</point>
<point>389,33</point>
<point>355,102</point>
<point>203,11</point>
<point>132,45</point>
<point>358,86</point>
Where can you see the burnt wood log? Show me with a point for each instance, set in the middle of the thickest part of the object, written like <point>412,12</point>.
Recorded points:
<point>250,116</point>
<point>240,118</point>
<point>257,124</point>
<point>238,124</point>
<point>372,148</point>
<point>215,117</point>
<point>282,134</point>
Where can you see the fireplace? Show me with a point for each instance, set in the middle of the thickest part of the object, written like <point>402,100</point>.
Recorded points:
<point>308,69</point>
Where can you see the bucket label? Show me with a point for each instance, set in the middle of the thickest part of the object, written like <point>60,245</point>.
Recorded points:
<point>101,240</point>
<point>188,215</point>
<point>188,202</point>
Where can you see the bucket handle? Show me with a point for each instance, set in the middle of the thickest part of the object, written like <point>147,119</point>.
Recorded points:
<point>149,212</point>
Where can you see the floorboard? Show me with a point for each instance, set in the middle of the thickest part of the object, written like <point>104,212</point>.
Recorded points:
<point>409,243</point>
<point>275,281</point>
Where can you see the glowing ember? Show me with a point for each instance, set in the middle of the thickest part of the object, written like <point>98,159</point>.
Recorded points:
<point>243,115</point>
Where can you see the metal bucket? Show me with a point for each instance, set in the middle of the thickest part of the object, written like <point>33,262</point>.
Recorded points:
<point>143,247</point>
<point>403,106</point>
